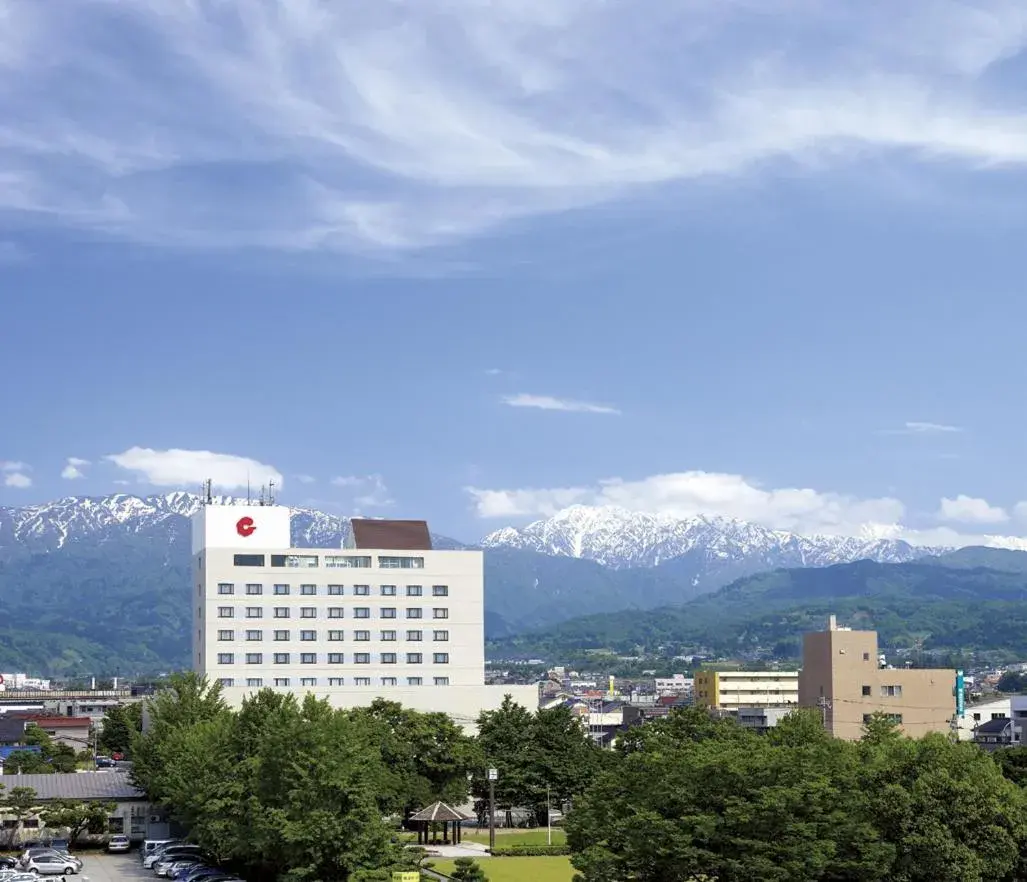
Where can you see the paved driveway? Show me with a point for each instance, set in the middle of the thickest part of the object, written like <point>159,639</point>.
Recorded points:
<point>113,868</point>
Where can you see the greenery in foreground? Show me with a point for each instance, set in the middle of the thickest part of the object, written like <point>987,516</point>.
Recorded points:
<point>288,790</point>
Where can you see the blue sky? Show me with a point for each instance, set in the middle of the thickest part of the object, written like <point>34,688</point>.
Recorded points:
<point>475,262</point>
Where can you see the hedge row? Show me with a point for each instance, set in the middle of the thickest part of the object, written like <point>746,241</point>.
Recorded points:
<point>531,851</point>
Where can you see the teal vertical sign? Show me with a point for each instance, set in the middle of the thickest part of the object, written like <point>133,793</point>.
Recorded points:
<point>960,694</point>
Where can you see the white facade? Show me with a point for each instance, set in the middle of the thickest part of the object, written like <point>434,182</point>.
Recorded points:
<point>349,625</point>
<point>981,713</point>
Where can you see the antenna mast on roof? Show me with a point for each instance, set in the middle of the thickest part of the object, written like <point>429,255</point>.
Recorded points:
<point>270,492</point>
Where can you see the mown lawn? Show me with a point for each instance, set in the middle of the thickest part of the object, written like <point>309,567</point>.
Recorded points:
<point>519,869</point>
<point>510,838</point>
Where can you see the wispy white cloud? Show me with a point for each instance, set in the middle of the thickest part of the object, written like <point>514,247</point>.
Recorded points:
<point>15,474</point>
<point>798,510</point>
<point>305,479</point>
<point>548,402</point>
<point>398,126</point>
<point>73,468</point>
<point>920,428</point>
<point>190,468</point>
<point>368,491</point>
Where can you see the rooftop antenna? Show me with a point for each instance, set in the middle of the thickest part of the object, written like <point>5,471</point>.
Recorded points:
<point>261,495</point>
<point>210,492</point>
<point>270,492</point>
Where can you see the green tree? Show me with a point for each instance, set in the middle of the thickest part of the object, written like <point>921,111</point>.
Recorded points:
<point>121,725</point>
<point>1012,681</point>
<point>27,762</point>
<point>76,817</point>
<point>467,869</point>
<point>20,803</point>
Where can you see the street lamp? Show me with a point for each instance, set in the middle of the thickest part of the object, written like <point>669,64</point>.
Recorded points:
<point>493,776</point>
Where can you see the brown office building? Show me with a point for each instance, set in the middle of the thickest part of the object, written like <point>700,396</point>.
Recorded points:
<point>841,675</point>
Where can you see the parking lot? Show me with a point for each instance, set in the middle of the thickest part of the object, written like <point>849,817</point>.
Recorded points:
<point>112,868</point>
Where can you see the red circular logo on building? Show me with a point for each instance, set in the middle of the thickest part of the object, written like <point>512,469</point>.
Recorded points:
<point>245,526</point>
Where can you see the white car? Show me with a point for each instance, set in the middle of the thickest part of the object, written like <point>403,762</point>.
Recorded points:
<point>118,843</point>
<point>53,864</point>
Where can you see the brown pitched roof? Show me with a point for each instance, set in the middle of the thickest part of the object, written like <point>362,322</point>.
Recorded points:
<point>391,535</point>
<point>440,812</point>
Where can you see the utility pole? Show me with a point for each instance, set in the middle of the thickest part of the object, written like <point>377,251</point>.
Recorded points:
<point>493,776</point>
<point>823,704</point>
<point>549,819</point>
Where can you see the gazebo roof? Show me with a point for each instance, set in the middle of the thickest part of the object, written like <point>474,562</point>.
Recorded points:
<point>440,812</point>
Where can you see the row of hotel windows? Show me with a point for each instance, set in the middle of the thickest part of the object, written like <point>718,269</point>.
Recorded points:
<point>281,590</point>
<point>359,636</point>
<point>334,658</point>
<point>258,682</point>
<point>331,561</point>
<point>334,612</point>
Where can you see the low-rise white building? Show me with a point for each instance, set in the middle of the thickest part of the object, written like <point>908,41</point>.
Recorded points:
<point>985,712</point>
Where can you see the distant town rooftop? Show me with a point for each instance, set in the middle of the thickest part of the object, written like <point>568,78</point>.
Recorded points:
<point>391,535</point>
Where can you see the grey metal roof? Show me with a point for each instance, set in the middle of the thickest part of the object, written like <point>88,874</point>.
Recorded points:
<point>439,811</point>
<point>79,785</point>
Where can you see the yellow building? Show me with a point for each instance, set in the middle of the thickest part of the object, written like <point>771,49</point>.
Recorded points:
<point>842,676</point>
<point>731,690</point>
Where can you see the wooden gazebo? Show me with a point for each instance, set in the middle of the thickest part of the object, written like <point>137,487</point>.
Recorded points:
<point>438,813</point>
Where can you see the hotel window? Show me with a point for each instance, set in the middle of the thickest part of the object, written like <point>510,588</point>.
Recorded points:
<point>866,690</point>
<point>388,612</point>
<point>388,590</point>
<point>226,658</point>
<point>308,612</point>
<point>400,563</point>
<point>335,612</point>
<point>282,635</point>
<point>281,612</point>
<point>335,636</point>
<point>336,658</point>
<point>294,561</point>
<point>442,681</point>
<point>362,590</point>
<point>361,681</point>
<point>440,590</point>
<point>415,636</point>
<point>226,635</point>
<point>891,691</point>
<point>254,635</point>
<point>362,636</point>
<point>248,560</point>
<point>362,612</point>
<point>226,681</point>
<point>362,658</point>
<point>441,658</point>
<point>308,658</point>
<point>335,591</point>
<point>308,635</point>
<point>388,658</point>
<point>441,636</point>
<point>226,588</point>
<point>281,658</point>
<point>440,613</point>
<point>414,658</point>
<point>346,561</point>
<point>414,681</point>
<point>254,658</point>
<point>254,589</point>
<point>308,681</point>
<point>413,612</point>
<point>308,590</point>
<point>254,682</point>
<point>388,636</point>
<point>281,590</point>
<point>254,612</point>
<point>281,681</point>
<point>413,590</point>
<point>336,681</point>
<point>388,681</point>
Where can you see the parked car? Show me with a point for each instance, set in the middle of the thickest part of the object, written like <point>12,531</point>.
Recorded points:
<point>58,844</point>
<point>54,864</point>
<point>167,867</point>
<point>40,850</point>
<point>119,843</point>
<point>7,863</point>
<point>150,846</point>
<point>173,853</point>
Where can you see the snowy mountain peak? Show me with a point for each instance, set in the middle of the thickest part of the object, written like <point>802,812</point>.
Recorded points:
<point>621,538</point>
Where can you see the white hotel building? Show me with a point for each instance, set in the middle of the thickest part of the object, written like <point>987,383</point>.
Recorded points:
<point>386,617</point>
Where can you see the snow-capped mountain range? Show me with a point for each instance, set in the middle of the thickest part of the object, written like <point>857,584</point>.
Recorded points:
<point>619,538</point>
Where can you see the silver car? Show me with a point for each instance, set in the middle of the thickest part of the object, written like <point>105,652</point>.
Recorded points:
<point>53,864</point>
<point>118,843</point>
